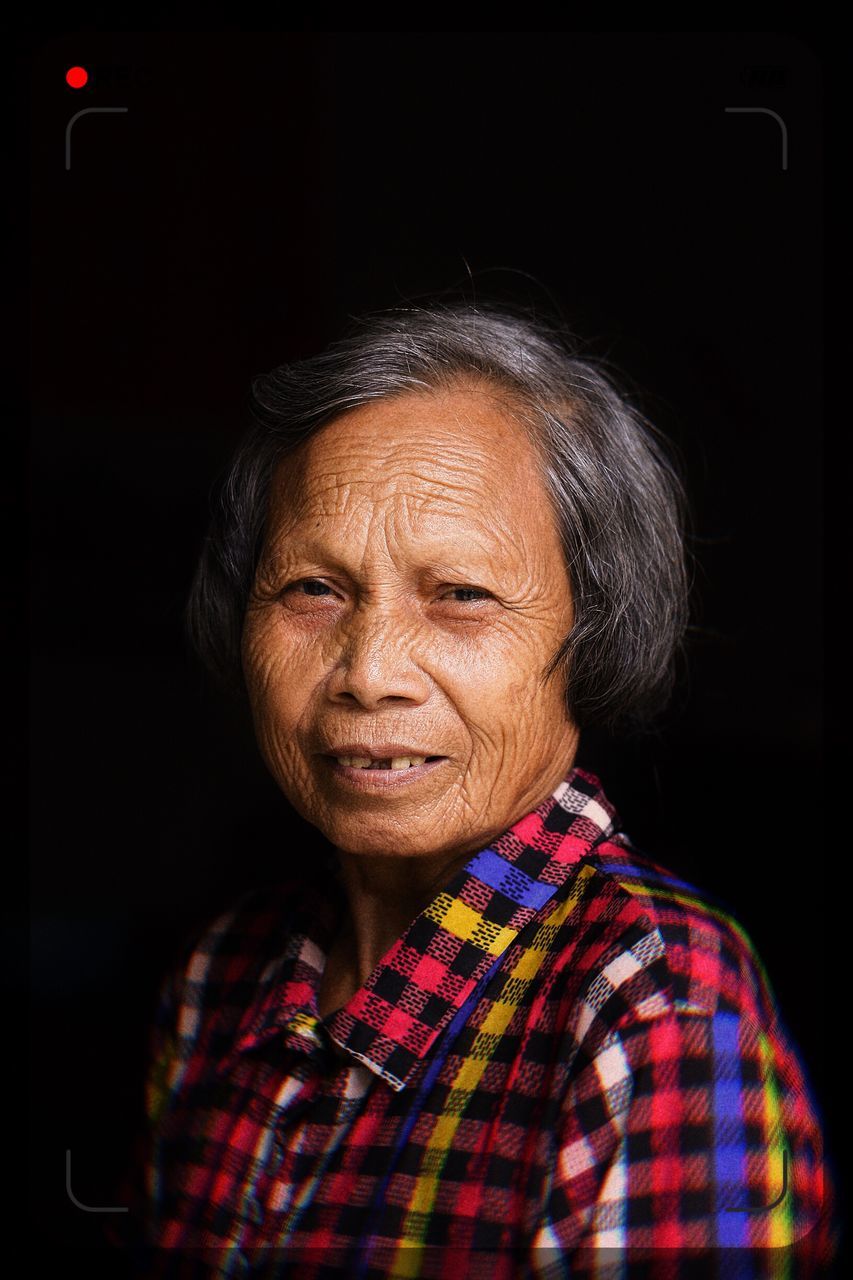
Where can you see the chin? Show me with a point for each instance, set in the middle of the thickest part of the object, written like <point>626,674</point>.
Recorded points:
<point>391,843</point>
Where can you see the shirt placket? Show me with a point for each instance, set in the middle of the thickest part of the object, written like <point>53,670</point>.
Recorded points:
<point>266,1216</point>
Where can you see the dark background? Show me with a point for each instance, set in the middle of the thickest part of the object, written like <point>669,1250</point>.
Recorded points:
<point>261,188</point>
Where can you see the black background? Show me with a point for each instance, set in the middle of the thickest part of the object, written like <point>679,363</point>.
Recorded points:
<point>260,188</point>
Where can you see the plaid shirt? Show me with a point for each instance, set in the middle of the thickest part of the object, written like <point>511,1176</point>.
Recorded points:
<point>568,1064</point>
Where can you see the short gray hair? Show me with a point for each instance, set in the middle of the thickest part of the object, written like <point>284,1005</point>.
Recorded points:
<point>616,491</point>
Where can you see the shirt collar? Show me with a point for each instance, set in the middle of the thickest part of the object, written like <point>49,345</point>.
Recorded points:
<point>392,1022</point>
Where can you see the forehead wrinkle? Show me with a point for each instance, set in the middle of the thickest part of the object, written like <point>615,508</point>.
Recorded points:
<point>489,532</point>
<point>412,448</point>
<point>397,537</point>
<point>439,462</point>
<point>419,486</point>
<point>470,432</point>
<point>331,494</point>
<point>458,531</point>
<point>410,480</point>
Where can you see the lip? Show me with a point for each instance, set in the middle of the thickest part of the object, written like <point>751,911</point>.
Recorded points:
<point>381,751</point>
<point>373,780</point>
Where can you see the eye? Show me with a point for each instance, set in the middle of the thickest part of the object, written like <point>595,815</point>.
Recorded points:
<point>469,594</point>
<point>308,587</point>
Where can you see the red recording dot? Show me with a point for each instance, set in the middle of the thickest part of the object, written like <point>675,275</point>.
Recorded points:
<point>76,77</point>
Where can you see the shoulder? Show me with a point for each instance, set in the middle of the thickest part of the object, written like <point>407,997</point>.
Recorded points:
<point>228,956</point>
<point>649,942</point>
<point>673,1043</point>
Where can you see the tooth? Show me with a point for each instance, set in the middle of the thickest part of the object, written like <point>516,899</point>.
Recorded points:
<point>396,763</point>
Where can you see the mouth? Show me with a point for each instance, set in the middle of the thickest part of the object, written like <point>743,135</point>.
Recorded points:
<point>367,774</point>
<point>395,762</point>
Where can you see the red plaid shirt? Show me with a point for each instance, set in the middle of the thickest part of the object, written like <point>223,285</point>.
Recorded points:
<point>570,1063</point>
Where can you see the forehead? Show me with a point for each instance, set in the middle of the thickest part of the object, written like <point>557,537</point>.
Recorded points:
<point>459,454</point>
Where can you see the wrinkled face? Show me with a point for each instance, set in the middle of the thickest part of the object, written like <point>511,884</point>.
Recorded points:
<point>411,591</point>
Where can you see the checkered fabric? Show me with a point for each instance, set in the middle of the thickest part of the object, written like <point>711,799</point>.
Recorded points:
<point>569,1065</point>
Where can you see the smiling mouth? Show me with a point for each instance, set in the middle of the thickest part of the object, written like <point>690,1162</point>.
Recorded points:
<point>393,764</point>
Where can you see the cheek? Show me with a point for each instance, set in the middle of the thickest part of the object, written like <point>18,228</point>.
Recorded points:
<point>493,685</point>
<point>280,675</point>
<point>504,662</point>
<point>517,708</point>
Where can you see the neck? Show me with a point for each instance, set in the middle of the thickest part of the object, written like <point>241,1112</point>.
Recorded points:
<point>384,895</point>
<point>386,892</point>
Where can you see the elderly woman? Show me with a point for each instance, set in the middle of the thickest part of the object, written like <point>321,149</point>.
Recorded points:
<point>480,1034</point>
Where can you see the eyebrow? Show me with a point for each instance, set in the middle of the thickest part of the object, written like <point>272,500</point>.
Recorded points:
<point>437,556</point>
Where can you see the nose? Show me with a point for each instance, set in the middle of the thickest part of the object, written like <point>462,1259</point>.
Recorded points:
<point>378,662</point>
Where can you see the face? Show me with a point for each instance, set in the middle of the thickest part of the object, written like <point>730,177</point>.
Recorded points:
<point>410,593</point>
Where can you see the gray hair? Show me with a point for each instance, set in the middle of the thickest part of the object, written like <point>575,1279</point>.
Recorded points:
<point>615,489</point>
